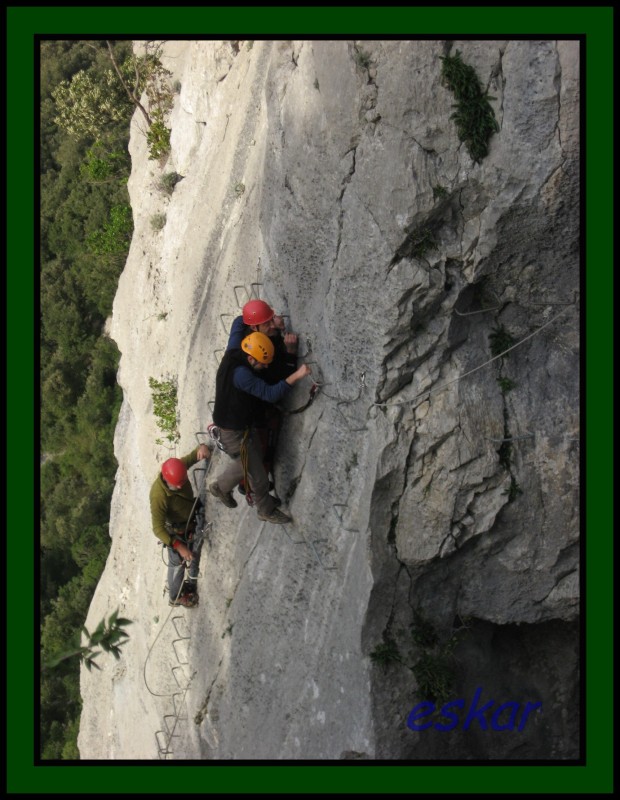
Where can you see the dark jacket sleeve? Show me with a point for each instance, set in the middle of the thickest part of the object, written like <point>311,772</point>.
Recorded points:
<point>245,380</point>
<point>237,334</point>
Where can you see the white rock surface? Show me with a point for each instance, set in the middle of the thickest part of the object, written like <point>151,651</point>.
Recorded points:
<point>304,174</point>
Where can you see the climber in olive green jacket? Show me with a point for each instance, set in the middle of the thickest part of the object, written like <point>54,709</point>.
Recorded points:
<point>172,501</point>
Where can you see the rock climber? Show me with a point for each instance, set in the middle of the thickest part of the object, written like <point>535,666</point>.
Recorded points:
<point>259,316</point>
<point>240,392</point>
<point>177,521</point>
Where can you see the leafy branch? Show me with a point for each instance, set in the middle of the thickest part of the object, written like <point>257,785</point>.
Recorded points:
<point>109,637</point>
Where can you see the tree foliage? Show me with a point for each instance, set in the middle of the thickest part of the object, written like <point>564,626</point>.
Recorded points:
<point>89,103</point>
<point>83,194</point>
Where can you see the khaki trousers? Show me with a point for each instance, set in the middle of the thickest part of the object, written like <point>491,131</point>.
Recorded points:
<point>233,473</point>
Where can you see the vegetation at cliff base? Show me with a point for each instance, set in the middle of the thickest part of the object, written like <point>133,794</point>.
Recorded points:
<point>85,231</point>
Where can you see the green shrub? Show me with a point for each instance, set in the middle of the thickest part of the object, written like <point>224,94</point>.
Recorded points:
<point>158,137</point>
<point>505,384</point>
<point>158,221</point>
<point>104,163</point>
<point>435,675</point>
<point>164,394</point>
<point>422,632</point>
<point>116,234</point>
<point>514,490</point>
<point>420,242</point>
<point>474,115</point>
<point>500,340</point>
<point>362,59</point>
<point>168,181</point>
<point>385,653</point>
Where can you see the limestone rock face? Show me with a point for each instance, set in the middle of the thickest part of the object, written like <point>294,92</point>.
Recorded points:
<point>433,482</point>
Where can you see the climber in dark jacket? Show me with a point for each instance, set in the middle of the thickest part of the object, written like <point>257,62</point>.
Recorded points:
<point>240,392</point>
<point>258,316</point>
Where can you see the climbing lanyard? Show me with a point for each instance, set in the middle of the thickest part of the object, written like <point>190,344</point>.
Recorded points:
<point>313,393</point>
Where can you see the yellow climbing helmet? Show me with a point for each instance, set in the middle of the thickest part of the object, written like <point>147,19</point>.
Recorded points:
<point>259,346</point>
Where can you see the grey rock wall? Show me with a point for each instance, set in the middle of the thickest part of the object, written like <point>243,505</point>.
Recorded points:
<point>309,169</point>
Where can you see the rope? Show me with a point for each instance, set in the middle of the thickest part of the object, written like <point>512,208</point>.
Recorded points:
<point>344,400</point>
<point>428,392</point>
<point>245,461</point>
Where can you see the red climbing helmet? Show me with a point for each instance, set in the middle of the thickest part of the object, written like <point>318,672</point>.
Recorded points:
<point>174,472</point>
<point>256,312</point>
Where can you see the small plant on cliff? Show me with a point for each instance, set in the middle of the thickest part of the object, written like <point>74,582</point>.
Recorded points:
<point>168,181</point>
<point>164,394</point>
<point>385,653</point>
<point>514,490</point>
<point>362,59</point>
<point>474,115</point>
<point>158,221</point>
<point>158,137</point>
<point>505,384</point>
<point>500,340</point>
<point>422,632</point>
<point>435,674</point>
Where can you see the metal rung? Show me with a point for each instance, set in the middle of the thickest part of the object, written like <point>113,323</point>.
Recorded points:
<point>226,328</point>
<point>170,730</point>
<point>340,516</point>
<point>163,751</point>
<point>301,541</point>
<point>572,302</point>
<point>318,558</point>
<point>178,711</point>
<point>179,634</point>
<point>480,311</point>
<point>174,641</point>
<point>174,673</point>
<point>217,357</point>
<point>353,430</point>
<point>309,544</point>
<point>247,294</point>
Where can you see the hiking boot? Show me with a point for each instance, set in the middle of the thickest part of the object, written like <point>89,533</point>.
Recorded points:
<point>276,516</point>
<point>187,600</point>
<point>190,588</point>
<point>228,500</point>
